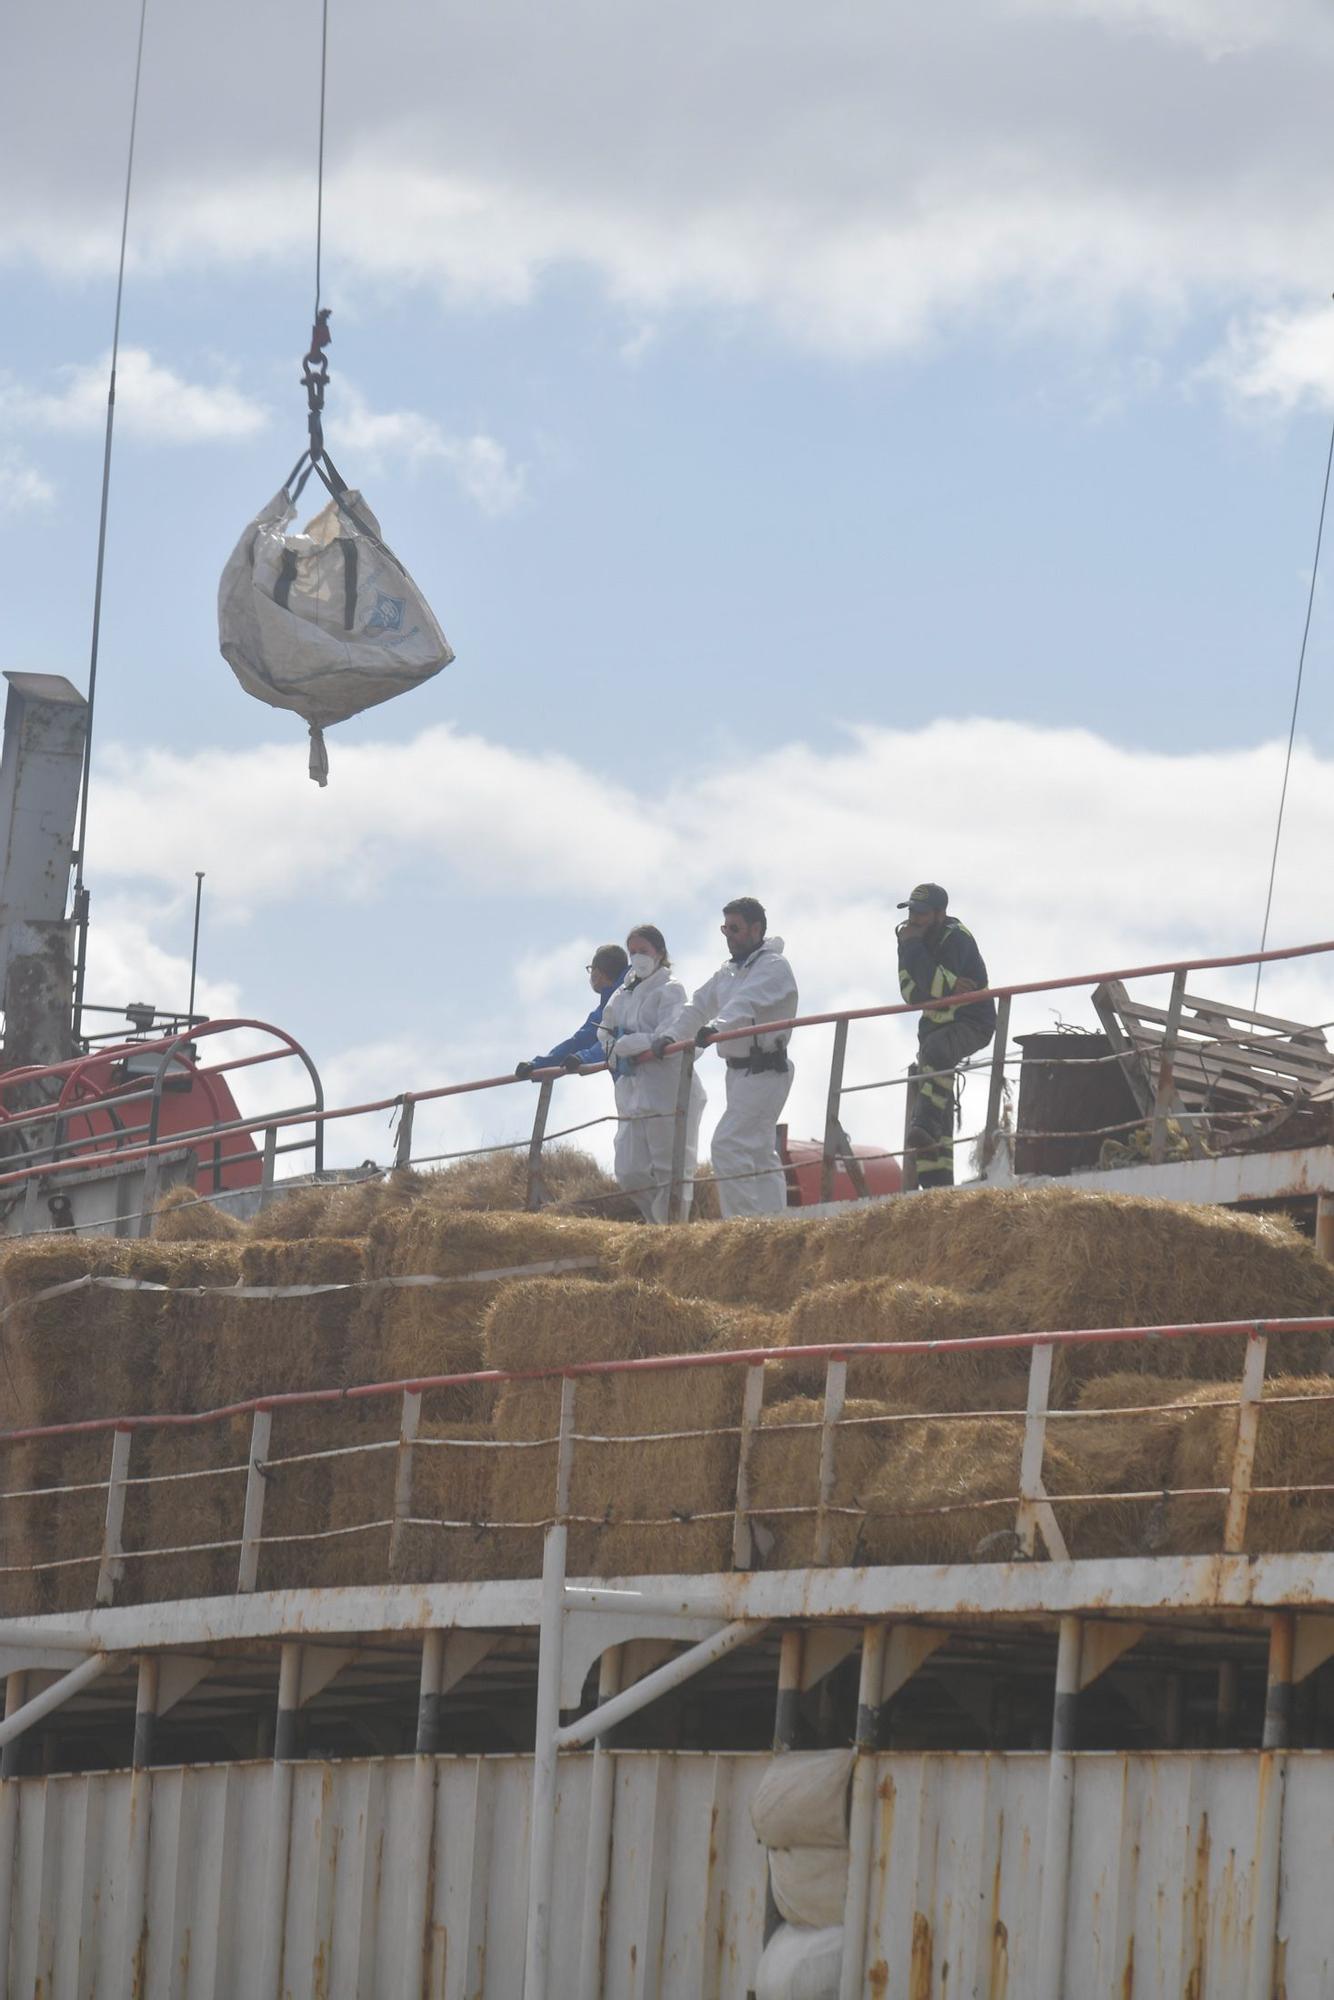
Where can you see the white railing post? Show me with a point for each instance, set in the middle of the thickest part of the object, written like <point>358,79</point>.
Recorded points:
<point>597,1871</point>
<point>1166,1089</point>
<point>407,1437</point>
<point>678,1206</point>
<point>861,1812</point>
<point>1035,1510</point>
<point>537,1194</point>
<point>252,1524</point>
<point>996,1085</point>
<point>1243,1456</point>
<point>403,1150</point>
<point>542,1828</point>
<point>111,1568</point>
<point>752,1404</point>
<point>835,1393</point>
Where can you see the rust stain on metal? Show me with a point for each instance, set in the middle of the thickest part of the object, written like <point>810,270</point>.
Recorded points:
<point>1281,1969</point>
<point>877,1979</point>
<point>1199,1915</point>
<point>919,1971</point>
<point>320,1972</point>
<point>1000,1962</point>
<point>1128,1971</point>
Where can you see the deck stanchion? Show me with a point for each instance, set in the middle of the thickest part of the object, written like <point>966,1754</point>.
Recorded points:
<point>909,1182</point>
<point>1243,1455</point>
<point>542,1829</point>
<point>111,1568</point>
<point>16,1693</point>
<point>861,1812</point>
<point>996,1084</point>
<point>403,1150</point>
<point>270,1166</point>
<point>1035,1510</point>
<point>678,1207</point>
<point>537,1193</point>
<point>148,1196</point>
<point>598,1864</point>
<point>787,1705</point>
<point>138,1826</point>
<point>1166,1089</point>
<point>833,1130</point>
<point>145,1712</point>
<point>428,1700</point>
<point>752,1405</point>
<point>1050,1983</point>
<point>276,1860</point>
<point>409,1423</point>
<point>835,1392</point>
<point>1225,1713</point>
<point>11,1757</point>
<point>1270,1789</point>
<point>252,1524</point>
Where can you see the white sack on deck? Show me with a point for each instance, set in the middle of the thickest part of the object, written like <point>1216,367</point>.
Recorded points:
<point>801,1965</point>
<point>802,1800</point>
<point>810,1884</point>
<point>326,622</point>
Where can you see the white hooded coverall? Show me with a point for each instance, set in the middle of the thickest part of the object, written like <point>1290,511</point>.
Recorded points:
<point>744,1152</point>
<point>646,1092</point>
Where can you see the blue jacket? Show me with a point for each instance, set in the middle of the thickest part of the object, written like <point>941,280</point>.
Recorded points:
<point>583,1043</point>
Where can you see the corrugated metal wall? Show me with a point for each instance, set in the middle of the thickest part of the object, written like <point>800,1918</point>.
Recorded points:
<point>407,1879</point>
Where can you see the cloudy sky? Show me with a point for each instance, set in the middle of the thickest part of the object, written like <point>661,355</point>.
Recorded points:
<point>843,445</point>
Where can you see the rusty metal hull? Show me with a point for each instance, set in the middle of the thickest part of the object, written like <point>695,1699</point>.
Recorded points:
<point>405,1876</point>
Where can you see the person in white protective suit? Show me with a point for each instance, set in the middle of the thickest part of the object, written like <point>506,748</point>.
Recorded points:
<point>646,1092</point>
<point>755,985</point>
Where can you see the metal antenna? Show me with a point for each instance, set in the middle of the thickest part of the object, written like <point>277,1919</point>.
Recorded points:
<point>80,905</point>
<point>194,949</point>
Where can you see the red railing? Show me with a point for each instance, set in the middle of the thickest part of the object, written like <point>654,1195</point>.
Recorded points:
<point>140,1144</point>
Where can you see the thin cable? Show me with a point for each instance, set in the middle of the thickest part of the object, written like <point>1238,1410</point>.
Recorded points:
<point>1292,726</point>
<point>80,893</point>
<point>319,185</point>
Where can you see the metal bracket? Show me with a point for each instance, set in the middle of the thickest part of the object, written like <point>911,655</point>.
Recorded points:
<point>826,1646</point>
<point>319,1664</point>
<point>1314,1645</point>
<point>1104,1643</point>
<point>588,1635</point>
<point>910,1647</point>
<point>178,1675</point>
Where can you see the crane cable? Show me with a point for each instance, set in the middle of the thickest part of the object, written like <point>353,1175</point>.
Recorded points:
<point>80,898</point>
<point>1296,704</point>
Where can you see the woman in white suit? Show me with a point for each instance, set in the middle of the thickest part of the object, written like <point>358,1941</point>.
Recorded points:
<point>643,1006</point>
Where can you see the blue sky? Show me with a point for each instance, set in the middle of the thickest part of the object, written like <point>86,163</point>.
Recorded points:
<point>765,404</point>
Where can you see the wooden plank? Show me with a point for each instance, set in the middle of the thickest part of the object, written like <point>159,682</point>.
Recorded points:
<point>1295,1028</point>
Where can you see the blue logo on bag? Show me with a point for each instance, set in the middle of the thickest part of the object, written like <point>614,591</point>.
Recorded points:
<point>387,615</point>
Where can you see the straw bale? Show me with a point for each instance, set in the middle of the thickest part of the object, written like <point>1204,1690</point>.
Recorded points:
<point>785,1472</point>
<point>185,1513</point>
<point>948,1464</point>
<point>1294,1445</point>
<point>903,1309</point>
<point>184,1217</point>
<point>453,1477</point>
<point>764,1263</point>
<point>640,1499</point>
<point>335,1208</point>
<point>573,1181</point>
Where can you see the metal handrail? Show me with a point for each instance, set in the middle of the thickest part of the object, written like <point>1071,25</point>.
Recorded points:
<point>318,1115</point>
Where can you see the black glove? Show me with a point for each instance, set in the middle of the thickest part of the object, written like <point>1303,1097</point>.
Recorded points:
<point>660,1045</point>
<point>524,1069</point>
<point>705,1035</point>
<point>572,1065</point>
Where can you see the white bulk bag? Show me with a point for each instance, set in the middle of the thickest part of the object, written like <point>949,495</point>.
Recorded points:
<point>810,1884</point>
<point>326,622</point>
<point>802,1800</point>
<point>801,1965</point>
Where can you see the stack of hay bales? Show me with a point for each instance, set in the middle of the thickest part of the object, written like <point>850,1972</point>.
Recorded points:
<point>648,1498</point>
<point>968,1263</point>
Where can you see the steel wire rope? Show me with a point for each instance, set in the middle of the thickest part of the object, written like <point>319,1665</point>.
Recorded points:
<point>80,898</point>
<point>319,170</point>
<point>1292,726</point>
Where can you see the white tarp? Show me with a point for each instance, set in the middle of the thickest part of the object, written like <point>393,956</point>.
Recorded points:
<point>326,622</point>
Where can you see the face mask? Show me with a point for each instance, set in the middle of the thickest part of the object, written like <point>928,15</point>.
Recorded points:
<point>642,963</point>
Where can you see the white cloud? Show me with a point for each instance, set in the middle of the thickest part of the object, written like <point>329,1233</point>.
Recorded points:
<point>1278,360</point>
<point>861,176</point>
<point>1065,853</point>
<point>153,403</point>
<point>480,464</point>
<point>23,489</point>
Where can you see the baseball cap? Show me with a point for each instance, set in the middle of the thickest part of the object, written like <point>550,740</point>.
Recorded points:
<point>927,896</point>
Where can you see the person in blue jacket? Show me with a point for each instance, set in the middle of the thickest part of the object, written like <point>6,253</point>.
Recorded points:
<point>582,1050</point>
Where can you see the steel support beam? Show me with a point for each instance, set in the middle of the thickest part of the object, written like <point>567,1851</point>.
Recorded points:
<point>683,1668</point>
<point>1050,1982</point>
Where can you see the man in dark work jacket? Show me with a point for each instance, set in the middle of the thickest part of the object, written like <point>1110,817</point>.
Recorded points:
<point>938,957</point>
